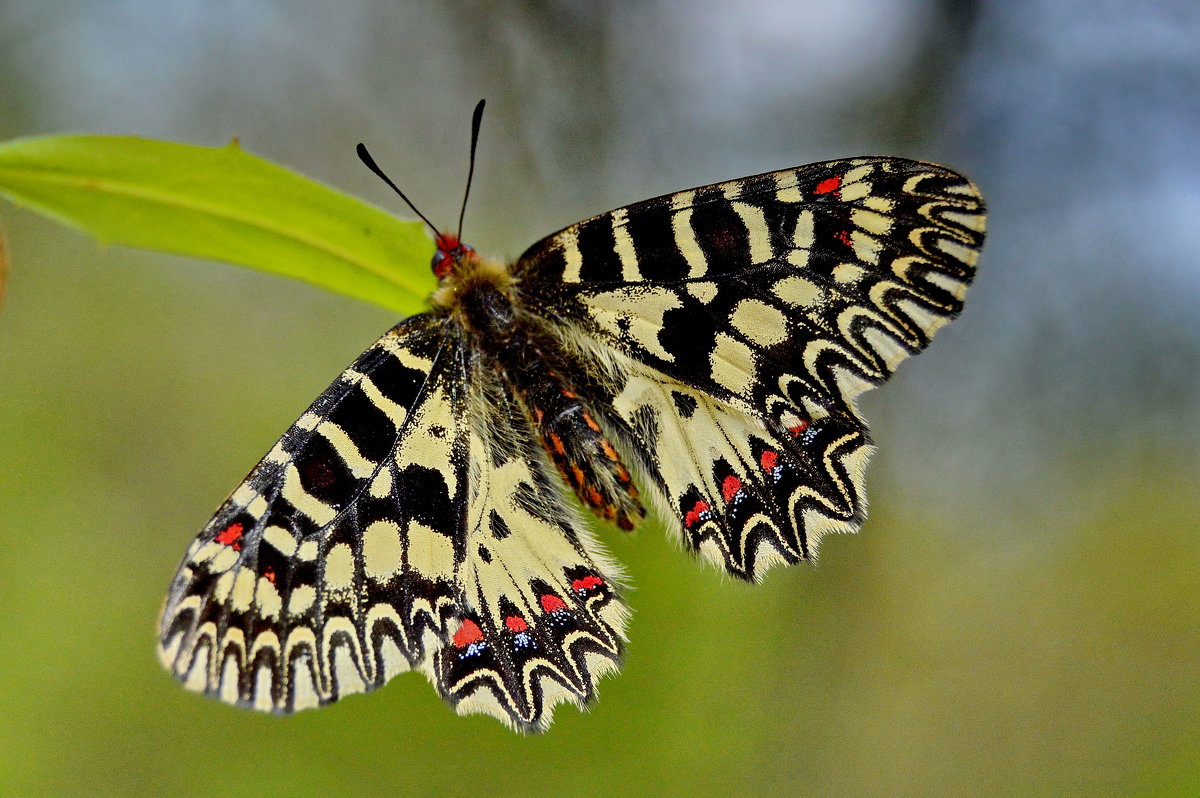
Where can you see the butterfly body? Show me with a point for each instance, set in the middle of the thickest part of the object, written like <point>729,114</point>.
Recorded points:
<point>700,352</point>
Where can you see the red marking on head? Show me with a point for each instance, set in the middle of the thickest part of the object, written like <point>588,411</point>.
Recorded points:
<point>594,496</point>
<point>231,536</point>
<point>269,574</point>
<point>768,459</point>
<point>557,441</point>
<point>515,623</point>
<point>467,634</point>
<point>730,487</point>
<point>828,184</point>
<point>552,603</point>
<point>844,237</point>
<point>799,427</point>
<point>587,583</point>
<point>450,252</point>
<point>693,515</point>
<point>591,422</point>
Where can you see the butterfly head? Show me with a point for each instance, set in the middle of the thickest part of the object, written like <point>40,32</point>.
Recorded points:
<point>451,255</point>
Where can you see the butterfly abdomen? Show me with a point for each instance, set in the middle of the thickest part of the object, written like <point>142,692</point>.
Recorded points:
<point>535,369</point>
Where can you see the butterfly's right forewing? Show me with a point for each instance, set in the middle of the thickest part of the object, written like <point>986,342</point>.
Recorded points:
<point>741,321</point>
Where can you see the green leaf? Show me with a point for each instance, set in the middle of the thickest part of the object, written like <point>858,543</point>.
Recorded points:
<point>223,204</point>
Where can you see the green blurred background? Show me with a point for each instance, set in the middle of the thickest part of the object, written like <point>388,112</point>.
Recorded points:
<point>1020,614</point>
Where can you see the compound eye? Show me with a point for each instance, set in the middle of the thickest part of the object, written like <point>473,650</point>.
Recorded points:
<point>443,263</point>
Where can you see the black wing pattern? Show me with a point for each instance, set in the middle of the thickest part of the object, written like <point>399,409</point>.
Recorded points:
<point>739,321</point>
<point>404,522</point>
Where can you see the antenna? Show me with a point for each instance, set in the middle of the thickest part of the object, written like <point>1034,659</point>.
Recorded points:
<point>476,119</point>
<point>366,158</point>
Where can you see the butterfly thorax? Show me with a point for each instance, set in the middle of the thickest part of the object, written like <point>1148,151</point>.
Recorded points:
<point>481,297</point>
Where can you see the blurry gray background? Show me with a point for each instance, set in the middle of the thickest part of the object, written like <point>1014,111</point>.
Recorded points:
<point>1020,614</point>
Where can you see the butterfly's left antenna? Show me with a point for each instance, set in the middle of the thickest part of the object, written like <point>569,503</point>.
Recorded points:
<point>476,119</point>
<point>366,158</point>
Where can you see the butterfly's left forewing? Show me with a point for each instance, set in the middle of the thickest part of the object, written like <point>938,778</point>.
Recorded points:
<point>408,520</point>
<point>333,566</point>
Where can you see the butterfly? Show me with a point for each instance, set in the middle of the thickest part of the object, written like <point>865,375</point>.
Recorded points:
<point>698,353</point>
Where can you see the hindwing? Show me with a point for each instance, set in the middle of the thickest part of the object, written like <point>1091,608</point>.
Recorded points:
<point>544,622</point>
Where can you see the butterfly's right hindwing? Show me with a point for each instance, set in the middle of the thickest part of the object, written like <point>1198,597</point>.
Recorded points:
<point>332,567</point>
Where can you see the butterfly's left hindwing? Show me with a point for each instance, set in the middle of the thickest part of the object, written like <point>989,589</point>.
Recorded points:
<point>545,621</point>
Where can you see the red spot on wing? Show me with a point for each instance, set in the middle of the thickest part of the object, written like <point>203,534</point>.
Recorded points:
<point>768,459</point>
<point>693,515</point>
<point>467,634</point>
<point>231,536</point>
<point>828,185</point>
<point>515,623</point>
<point>269,574</point>
<point>552,603</point>
<point>587,583</point>
<point>799,427</point>
<point>844,237</point>
<point>730,487</point>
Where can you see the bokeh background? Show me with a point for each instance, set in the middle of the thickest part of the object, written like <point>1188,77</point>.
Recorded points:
<point>1020,615</point>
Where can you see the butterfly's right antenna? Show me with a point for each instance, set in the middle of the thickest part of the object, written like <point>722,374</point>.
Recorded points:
<point>374,167</point>
<point>476,119</point>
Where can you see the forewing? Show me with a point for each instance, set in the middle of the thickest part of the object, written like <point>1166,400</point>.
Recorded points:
<point>752,313</point>
<point>812,282</point>
<point>543,620</point>
<point>333,566</point>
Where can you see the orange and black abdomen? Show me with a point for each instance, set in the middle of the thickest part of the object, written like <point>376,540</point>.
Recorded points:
<point>584,455</point>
